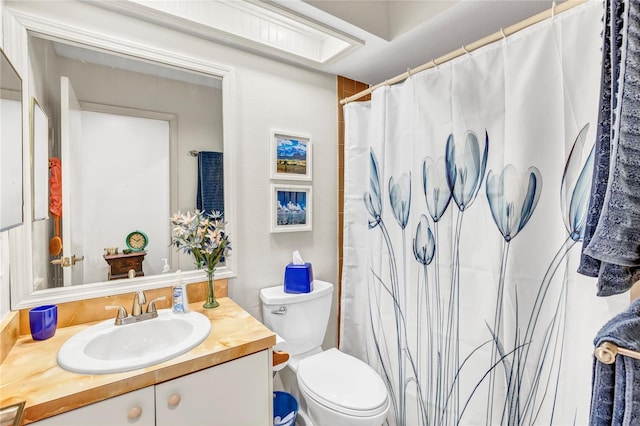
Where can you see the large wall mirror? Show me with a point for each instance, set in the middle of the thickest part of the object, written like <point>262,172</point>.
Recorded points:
<point>126,132</point>
<point>11,193</point>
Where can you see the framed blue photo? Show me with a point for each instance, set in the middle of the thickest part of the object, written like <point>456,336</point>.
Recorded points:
<point>290,156</point>
<point>291,208</point>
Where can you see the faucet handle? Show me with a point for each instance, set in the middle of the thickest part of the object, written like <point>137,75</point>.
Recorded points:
<point>138,300</point>
<point>122,313</point>
<point>151,307</point>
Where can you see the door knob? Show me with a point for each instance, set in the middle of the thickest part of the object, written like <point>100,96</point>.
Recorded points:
<point>64,261</point>
<point>67,261</point>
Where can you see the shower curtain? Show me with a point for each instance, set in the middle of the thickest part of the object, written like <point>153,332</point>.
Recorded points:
<point>466,191</point>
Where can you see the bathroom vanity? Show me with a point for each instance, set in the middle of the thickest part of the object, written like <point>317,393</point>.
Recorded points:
<point>219,395</point>
<point>215,383</point>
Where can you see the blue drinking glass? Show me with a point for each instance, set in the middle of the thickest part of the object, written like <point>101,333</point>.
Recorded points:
<point>43,321</point>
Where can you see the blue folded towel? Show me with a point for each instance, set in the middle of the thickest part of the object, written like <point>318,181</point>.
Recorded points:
<point>615,391</point>
<point>615,241</point>
<point>210,196</point>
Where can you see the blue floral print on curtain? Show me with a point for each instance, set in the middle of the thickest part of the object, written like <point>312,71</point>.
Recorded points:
<point>435,367</point>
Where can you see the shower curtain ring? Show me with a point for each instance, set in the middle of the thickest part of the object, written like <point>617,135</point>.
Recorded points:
<point>553,10</point>
<point>409,71</point>
<point>503,34</point>
<point>465,49</point>
<point>435,65</point>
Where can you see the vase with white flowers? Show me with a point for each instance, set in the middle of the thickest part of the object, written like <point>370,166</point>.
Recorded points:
<point>202,235</point>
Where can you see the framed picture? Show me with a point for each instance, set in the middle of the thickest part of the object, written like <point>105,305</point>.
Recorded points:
<point>290,156</point>
<point>291,208</point>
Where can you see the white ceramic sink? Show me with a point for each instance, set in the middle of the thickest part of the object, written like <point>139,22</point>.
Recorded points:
<point>109,348</point>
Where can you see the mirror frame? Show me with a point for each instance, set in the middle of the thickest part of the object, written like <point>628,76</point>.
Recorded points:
<point>22,294</point>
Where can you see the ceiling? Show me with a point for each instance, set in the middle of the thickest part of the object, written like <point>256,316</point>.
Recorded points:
<point>366,40</point>
<point>399,34</point>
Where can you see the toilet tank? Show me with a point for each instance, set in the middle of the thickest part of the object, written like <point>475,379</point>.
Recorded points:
<point>299,318</point>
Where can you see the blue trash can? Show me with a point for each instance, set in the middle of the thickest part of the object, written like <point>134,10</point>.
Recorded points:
<point>285,409</point>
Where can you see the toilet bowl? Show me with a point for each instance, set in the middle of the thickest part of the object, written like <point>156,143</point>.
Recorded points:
<point>342,390</point>
<point>335,388</point>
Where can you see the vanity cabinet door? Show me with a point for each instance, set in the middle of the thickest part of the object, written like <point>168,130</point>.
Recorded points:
<point>133,408</point>
<point>237,392</point>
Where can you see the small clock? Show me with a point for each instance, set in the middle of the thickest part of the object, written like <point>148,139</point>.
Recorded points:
<point>137,240</point>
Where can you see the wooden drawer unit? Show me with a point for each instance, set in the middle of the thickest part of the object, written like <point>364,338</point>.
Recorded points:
<point>120,264</point>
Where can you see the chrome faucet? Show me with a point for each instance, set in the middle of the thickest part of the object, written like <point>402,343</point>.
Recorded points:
<point>139,299</point>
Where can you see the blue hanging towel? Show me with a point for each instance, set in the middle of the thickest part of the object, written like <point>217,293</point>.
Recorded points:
<point>210,196</point>
<point>615,388</point>
<point>611,246</point>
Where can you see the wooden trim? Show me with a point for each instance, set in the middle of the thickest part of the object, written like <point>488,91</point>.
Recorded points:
<point>345,87</point>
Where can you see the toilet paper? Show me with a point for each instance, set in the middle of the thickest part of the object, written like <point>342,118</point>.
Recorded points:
<point>281,345</point>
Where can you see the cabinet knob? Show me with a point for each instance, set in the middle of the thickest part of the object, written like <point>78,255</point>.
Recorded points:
<point>174,400</point>
<point>135,413</point>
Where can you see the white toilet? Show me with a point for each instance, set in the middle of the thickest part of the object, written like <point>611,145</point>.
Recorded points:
<point>337,388</point>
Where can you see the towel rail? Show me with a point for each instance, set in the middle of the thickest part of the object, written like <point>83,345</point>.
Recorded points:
<point>606,353</point>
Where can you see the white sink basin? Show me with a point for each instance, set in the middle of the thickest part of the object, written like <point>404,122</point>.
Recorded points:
<point>108,348</point>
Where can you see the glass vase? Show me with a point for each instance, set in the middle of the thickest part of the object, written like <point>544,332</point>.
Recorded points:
<point>211,301</point>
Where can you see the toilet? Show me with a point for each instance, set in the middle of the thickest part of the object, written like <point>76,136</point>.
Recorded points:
<point>336,388</point>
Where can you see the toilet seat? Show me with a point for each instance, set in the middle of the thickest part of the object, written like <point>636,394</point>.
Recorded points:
<point>343,383</point>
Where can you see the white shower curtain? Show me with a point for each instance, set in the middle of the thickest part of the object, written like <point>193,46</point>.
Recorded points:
<point>466,191</point>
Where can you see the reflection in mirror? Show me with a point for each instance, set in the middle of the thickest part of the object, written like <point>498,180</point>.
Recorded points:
<point>123,130</point>
<point>11,200</point>
<point>39,161</point>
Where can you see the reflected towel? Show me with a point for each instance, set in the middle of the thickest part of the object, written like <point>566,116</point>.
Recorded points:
<point>615,391</point>
<point>616,238</point>
<point>210,196</point>
<point>55,186</point>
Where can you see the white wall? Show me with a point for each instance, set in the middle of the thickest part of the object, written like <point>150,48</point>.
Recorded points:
<point>269,95</point>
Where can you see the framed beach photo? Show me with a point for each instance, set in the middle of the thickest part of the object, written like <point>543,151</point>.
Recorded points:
<point>290,156</point>
<point>291,208</point>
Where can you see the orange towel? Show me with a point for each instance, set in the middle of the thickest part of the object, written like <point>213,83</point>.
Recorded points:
<point>55,186</point>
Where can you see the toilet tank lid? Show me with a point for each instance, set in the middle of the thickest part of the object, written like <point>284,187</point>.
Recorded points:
<point>276,295</point>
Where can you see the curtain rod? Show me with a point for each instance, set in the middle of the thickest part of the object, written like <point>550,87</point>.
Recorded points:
<point>503,33</point>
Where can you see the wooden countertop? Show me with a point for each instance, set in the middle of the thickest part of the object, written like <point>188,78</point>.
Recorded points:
<point>31,373</point>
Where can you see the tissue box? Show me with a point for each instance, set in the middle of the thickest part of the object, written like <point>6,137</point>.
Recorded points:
<point>298,278</point>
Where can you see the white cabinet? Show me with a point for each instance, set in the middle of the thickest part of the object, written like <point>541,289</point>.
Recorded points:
<point>133,408</point>
<point>234,393</point>
<point>238,392</point>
